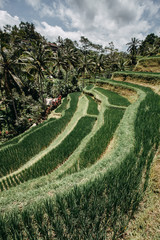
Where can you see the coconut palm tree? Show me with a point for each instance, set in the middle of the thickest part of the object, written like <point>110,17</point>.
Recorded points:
<point>86,65</point>
<point>70,57</point>
<point>58,61</point>
<point>37,62</point>
<point>9,68</point>
<point>100,63</point>
<point>65,55</point>
<point>133,49</point>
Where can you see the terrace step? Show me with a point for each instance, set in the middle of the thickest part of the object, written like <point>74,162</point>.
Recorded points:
<point>108,190</point>
<point>148,64</point>
<point>54,115</point>
<point>146,79</point>
<point>81,111</point>
<point>18,153</point>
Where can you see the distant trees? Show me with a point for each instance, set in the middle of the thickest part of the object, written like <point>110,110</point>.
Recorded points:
<point>150,46</point>
<point>133,49</point>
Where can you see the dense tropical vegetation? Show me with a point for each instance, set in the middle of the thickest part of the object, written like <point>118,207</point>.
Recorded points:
<point>32,69</point>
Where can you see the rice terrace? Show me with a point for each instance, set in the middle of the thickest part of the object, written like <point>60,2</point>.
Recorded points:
<point>82,173</point>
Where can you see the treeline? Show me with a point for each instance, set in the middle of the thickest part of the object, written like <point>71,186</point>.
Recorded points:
<point>150,46</point>
<point>32,69</point>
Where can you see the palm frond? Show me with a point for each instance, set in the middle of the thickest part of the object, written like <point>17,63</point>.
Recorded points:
<point>16,80</point>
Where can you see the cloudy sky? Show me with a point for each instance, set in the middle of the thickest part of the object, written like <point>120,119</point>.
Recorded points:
<point>101,21</point>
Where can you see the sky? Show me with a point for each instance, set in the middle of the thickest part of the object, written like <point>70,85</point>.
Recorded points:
<point>101,21</point>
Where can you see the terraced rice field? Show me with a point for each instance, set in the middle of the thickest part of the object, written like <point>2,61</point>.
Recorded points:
<point>147,79</point>
<point>81,176</point>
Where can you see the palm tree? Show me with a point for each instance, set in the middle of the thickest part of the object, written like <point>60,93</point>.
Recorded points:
<point>70,57</point>
<point>133,49</point>
<point>9,68</point>
<point>37,62</point>
<point>66,57</point>
<point>58,61</point>
<point>100,63</point>
<point>86,64</point>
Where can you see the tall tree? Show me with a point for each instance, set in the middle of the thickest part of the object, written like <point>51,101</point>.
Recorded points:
<point>99,65</point>
<point>133,49</point>
<point>9,67</point>
<point>150,45</point>
<point>58,62</point>
<point>37,62</point>
<point>70,57</point>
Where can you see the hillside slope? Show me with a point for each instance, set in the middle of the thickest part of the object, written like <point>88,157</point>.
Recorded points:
<point>148,64</point>
<point>90,184</point>
<point>145,224</point>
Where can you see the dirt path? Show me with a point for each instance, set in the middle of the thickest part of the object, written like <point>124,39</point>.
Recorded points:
<point>80,112</point>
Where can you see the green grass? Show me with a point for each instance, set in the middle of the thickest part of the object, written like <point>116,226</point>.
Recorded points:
<point>93,106</point>
<point>138,73</point>
<point>89,87</point>
<point>63,106</point>
<point>149,77</point>
<point>146,221</point>
<point>150,57</point>
<point>17,138</point>
<point>15,155</point>
<point>98,202</point>
<point>98,143</point>
<point>148,64</point>
<point>72,165</point>
<point>114,98</point>
<point>58,155</point>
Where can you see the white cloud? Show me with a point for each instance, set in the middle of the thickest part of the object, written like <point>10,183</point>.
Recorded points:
<point>105,21</point>
<point>87,14</point>
<point>52,32</point>
<point>100,21</point>
<point>46,11</point>
<point>151,9</point>
<point>41,7</point>
<point>36,4</point>
<point>6,18</point>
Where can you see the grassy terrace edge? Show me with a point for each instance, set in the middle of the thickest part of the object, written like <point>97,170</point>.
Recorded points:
<point>93,106</point>
<point>114,98</point>
<point>55,157</point>
<point>63,106</point>
<point>35,128</point>
<point>12,155</point>
<point>94,192</point>
<point>148,77</point>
